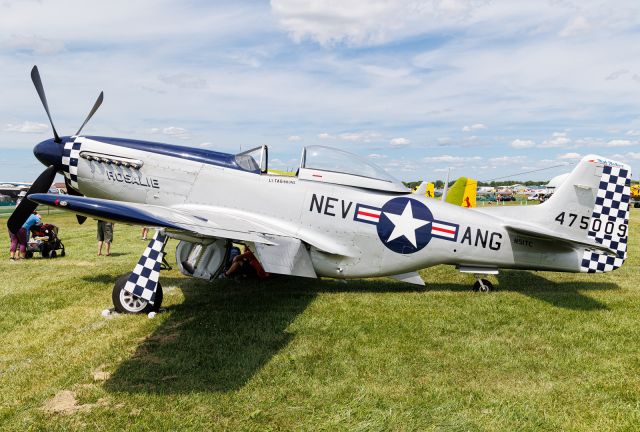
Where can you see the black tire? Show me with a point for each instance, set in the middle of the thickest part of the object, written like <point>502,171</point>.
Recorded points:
<point>488,286</point>
<point>62,253</point>
<point>28,254</point>
<point>124,302</point>
<point>52,254</point>
<point>44,251</point>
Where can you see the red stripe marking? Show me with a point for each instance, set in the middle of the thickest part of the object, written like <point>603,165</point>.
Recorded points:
<point>363,213</point>
<point>435,228</point>
<point>316,175</point>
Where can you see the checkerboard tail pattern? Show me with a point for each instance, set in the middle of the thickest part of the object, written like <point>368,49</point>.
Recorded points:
<point>70,156</point>
<point>144,279</point>
<point>611,209</point>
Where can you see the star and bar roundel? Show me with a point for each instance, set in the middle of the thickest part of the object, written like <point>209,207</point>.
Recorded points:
<point>405,225</point>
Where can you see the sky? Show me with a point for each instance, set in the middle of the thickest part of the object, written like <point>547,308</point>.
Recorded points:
<point>486,88</point>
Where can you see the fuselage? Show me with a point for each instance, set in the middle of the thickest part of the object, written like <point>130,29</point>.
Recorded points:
<point>351,231</point>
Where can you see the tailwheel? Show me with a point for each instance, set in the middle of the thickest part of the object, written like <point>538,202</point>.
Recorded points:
<point>125,302</point>
<point>483,285</point>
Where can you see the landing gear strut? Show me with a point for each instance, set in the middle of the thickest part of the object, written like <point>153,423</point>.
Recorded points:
<point>140,291</point>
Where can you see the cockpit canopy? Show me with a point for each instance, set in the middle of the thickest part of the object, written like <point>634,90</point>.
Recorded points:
<point>330,165</point>
<point>327,165</point>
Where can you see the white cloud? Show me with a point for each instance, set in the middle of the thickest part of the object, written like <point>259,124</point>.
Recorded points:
<point>365,22</point>
<point>507,160</point>
<point>376,156</point>
<point>617,74</point>
<point>558,139</point>
<point>184,81</point>
<point>294,138</point>
<point>27,127</point>
<point>575,26</point>
<point>474,127</point>
<point>359,136</point>
<point>570,156</point>
<point>36,44</point>
<point>399,142</point>
<point>172,131</point>
<point>618,143</point>
<point>522,144</point>
<point>325,135</point>
<point>633,132</point>
<point>449,159</point>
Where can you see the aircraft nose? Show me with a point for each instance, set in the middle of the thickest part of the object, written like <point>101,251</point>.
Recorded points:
<point>49,153</point>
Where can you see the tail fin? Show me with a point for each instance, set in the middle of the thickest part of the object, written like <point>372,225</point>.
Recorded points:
<point>593,203</point>
<point>463,192</point>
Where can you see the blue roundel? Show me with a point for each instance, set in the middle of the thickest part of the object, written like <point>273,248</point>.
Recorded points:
<point>405,225</point>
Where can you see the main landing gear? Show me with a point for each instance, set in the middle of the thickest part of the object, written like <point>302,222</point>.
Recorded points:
<point>140,291</point>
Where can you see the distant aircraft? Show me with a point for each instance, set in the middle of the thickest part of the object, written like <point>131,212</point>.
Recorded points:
<point>340,217</point>
<point>461,193</point>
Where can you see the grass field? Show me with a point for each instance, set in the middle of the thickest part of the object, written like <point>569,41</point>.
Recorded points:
<point>546,352</point>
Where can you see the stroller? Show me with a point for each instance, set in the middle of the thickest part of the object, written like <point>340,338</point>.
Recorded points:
<point>45,240</point>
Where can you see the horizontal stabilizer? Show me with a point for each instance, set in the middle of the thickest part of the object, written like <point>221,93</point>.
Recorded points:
<point>542,233</point>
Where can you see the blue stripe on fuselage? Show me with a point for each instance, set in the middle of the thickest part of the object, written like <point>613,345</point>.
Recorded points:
<point>210,157</point>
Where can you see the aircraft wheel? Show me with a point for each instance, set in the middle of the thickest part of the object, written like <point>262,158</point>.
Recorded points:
<point>125,302</point>
<point>483,285</point>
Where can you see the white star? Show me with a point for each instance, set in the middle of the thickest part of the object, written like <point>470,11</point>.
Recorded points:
<point>405,225</point>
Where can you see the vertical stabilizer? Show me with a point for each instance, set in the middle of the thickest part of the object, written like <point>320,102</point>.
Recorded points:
<point>593,202</point>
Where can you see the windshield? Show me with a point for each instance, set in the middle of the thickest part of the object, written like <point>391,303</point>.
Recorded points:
<point>254,160</point>
<point>334,160</point>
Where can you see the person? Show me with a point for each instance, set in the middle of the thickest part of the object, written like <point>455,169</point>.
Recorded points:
<point>145,231</point>
<point>245,263</point>
<point>18,248</point>
<point>105,236</point>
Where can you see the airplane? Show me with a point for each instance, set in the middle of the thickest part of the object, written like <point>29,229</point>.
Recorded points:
<point>462,192</point>
<point>340,217</point>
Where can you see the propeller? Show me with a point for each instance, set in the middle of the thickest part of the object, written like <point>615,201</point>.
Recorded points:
<point>96,105</point>
<point>37,82</point>
<point>26,206</point>
<point>46,178</point>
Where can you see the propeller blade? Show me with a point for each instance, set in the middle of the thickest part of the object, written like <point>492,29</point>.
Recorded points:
<point>72,191</point>
<point>26,206</point>
<point>35,77</point>
<point>93,111</point>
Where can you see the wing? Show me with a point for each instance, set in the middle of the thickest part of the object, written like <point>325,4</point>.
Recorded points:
<point>197,221</point>
<point>173,220</point>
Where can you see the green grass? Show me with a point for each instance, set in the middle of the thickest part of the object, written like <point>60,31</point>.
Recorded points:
<point>548,351</point>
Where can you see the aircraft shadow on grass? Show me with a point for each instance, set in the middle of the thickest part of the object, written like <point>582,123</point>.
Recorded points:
<point>569,295</point>
<point>218,338</point>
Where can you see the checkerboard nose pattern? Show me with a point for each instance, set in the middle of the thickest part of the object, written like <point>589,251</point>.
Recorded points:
<point>70,156</point>
<point>609,221</point>
<point>144,279</point>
